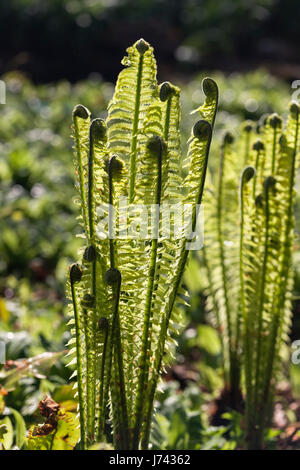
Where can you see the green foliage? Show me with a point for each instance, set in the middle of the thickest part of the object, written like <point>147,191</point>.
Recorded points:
<point>250,279</point>
<point>36,366</point>
<point>38,218</point>
<point>180,423</point>
<point>12,437</point>
<point>125,290</point>
<point>20,429</point>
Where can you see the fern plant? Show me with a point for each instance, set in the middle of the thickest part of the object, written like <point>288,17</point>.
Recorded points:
<point>250,228</point>
<point>124,288</point>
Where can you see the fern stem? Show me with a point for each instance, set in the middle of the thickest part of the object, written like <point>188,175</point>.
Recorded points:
<point>248,130</point>
<point>167,119</point>
<point>149,403</point>
<point>166,93</point>
<point>113,278</point>
<point>91,185</point>
<point>103,324</point>
<point>80,111</point>
<point>82,415</point>
<point>149,410</point>
<point>95,134</point>
<point>274,151</point>
<point>248,354</point>
<point>89,375</point>
<point>146,341</point>
<point>110,213</point>
<point>224,358</point>
<point>122,390</point>
<point>109,355</point>
<point>257,147</point>
<point>116,329</point>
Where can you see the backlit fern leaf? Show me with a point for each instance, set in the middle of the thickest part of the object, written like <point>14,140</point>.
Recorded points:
<point>125,289</point>
<point>134,93</point>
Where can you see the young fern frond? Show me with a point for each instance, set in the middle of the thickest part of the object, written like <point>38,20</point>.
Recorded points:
<point>124,304</point>
<point>263,300</point>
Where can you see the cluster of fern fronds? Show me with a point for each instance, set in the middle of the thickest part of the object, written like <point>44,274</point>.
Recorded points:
<point>249,225</point>
<point>124,289</point>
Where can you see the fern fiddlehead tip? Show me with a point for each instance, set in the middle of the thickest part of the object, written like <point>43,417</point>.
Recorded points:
<point>116,167</point>
<point>155,146</point>
<point>228,138</point>
<point>294,108</point>
<point>248,127</point>
<point>142,46</point>
<point>269,183</point>
<point>209,86</point>
<point>166,90</point>
<point>202,129</point>
<point>75,273</point>
<point>258,145</point>
<point>248,173</point>
<point>275,120</point>
<point>113,276</point>
<point>89,253</point>
<point>98,129</point>
<point>81,112</point>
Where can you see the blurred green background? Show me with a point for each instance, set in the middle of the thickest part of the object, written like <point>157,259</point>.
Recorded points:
<point>54,39</point>
<point>56,54</point>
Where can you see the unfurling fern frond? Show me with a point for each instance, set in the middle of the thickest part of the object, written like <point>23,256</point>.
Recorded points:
<point>124,291</point>
<point>261,306</point>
